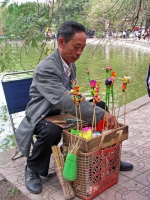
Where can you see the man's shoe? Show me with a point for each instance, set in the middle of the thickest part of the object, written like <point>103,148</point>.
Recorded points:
<point>32,181</point>
<point>125,166</point>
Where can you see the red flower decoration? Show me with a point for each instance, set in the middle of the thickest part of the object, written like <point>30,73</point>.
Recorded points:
<point>93,83</point>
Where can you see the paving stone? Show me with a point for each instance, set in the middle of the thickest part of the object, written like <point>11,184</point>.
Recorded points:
<point>1,178</point>
<point>133,184</point>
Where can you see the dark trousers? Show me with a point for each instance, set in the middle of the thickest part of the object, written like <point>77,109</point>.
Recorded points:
<point>47,135</point>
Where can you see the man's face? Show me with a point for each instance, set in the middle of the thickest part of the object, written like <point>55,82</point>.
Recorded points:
<point>72,50</point>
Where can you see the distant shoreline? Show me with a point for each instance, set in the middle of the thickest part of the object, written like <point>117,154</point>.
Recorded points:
<point>143,45</point>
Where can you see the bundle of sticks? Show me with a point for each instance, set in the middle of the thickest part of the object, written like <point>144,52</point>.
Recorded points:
<point>66,185</point>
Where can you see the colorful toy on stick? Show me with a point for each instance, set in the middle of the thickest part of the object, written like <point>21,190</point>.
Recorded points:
<point>109,82</point>
<point>125,81</point>
<point>95,88</point>
<point>70,166</point>
<point>108,71</point>
<point>77,98</point>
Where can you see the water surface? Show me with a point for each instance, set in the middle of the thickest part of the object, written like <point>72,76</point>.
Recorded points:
<point>132,62</point>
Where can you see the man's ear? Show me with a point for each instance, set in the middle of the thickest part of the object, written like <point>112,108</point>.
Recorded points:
<point>61,42</point>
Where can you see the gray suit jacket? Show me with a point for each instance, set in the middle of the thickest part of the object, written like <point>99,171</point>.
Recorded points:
<point>47,92</point>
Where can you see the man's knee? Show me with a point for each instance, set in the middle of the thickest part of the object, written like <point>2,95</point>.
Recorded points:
<point>48,132</point>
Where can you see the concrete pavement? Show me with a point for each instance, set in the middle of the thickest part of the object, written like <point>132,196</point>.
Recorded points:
<point>133,185</point>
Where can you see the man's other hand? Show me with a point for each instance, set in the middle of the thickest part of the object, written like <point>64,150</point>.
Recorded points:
<point>111,121</point>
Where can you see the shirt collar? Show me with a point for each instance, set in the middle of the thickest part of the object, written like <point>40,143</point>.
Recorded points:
<point>67,68</point>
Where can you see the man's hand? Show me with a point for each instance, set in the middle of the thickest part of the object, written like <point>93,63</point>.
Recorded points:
<point>111,121</point>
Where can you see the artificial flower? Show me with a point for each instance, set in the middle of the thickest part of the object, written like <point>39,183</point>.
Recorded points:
<point>92,83</point>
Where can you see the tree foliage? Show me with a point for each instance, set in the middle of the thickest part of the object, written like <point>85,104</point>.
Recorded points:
<point>28,21</point>
<point>20,19</point>
<point>118,14</point>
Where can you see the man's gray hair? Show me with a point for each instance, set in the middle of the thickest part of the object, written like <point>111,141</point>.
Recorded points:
<point>68,29</point>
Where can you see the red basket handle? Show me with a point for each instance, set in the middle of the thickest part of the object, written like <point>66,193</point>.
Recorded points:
<point>109,133</point>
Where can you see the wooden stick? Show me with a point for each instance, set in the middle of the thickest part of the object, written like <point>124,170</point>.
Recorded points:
<point>107,123</point>
<point>95,121</point>
<point>113,106</point>
<point>119,106</point>
<point>80,116</point>
<point>60,122</point>
<point>93,116</point>
<point>124,107</point>
<point>77,116</point>
<point>71,139</point>
<point>76,147</point>
<point>66,185</point>
<point>54,149</point>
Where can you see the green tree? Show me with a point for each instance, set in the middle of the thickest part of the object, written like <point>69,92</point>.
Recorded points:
<point>117,14</point>
<point>28,21</point>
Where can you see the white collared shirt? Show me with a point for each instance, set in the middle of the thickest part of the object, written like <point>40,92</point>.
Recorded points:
<point>67,68</point>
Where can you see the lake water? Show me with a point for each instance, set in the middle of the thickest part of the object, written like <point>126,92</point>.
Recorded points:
<point>132,62</point>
